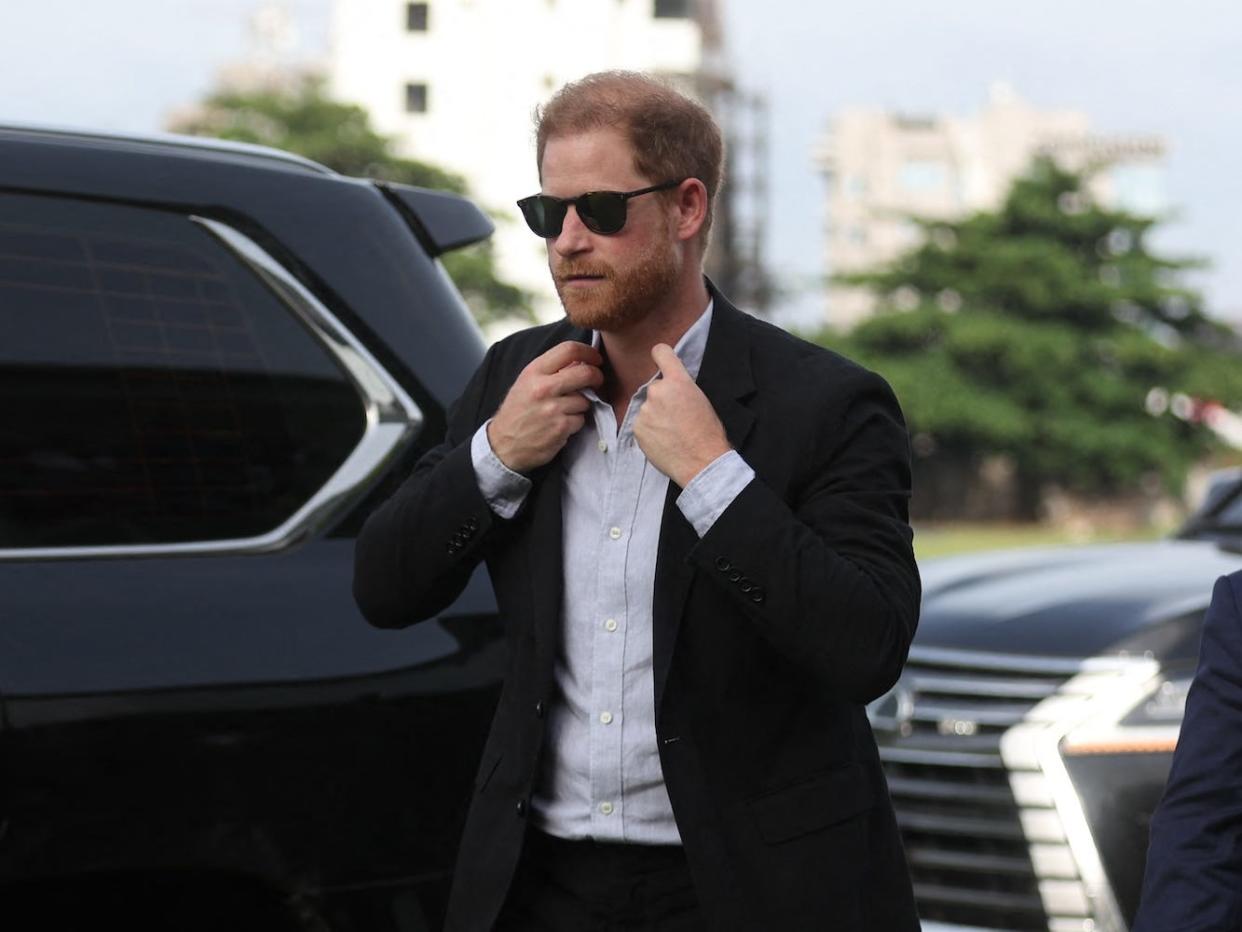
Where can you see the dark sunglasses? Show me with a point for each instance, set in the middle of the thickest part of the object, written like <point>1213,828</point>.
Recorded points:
<point>600,211</point>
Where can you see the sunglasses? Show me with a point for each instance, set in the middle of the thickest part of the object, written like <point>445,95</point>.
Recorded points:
<point>600,211</point>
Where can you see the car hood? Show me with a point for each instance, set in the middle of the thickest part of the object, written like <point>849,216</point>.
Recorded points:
<point>1072,601</point>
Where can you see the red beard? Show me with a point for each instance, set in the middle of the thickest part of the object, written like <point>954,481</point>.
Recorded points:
<point>617,299</point>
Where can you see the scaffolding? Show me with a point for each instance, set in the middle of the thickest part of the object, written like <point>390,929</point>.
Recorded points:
<point>736,260</point>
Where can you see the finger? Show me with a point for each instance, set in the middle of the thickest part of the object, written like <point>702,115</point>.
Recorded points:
<point>567,353</point>
<point>575,378</point>
<point>670,365</point>
<point>574,404</point>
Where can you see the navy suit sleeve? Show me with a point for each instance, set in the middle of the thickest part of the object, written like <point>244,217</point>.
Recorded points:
<point>1194,862</point>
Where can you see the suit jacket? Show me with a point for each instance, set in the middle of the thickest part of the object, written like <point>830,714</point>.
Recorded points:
<point>770,633</point>
<point>1193,878</point>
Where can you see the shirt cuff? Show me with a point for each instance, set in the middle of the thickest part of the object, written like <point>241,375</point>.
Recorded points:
<point>708,494</point>
<point>503,489</point>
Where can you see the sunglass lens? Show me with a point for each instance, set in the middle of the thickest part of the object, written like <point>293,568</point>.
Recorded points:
<point>603,211</point>
<point>544,215</point>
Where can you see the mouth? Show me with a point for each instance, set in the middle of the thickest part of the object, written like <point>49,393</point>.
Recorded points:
<point>581,281</point>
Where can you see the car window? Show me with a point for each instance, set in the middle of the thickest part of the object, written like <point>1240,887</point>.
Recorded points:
<point>1231,514</point>
<point>152,390</point>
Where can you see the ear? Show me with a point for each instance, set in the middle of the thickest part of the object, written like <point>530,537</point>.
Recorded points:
<point>691,209</point>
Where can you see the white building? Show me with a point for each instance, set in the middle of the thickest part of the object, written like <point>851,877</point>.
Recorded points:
<point>456,83</point>
<point>882,167</point>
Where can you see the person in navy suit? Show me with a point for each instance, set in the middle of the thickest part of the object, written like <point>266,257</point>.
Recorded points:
<point>1194,861</point>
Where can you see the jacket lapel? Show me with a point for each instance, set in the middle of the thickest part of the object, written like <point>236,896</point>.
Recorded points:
<point>725,378</point>
<point>545,552</point>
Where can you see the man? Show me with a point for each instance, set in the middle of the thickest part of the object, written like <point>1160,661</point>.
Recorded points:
<point>1194,862</point>
<point>696,527</point>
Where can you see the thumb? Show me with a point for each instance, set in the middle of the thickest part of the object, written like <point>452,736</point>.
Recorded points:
<point>668,361</point>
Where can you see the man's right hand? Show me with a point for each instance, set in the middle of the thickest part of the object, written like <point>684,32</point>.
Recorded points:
<point>544,407</point>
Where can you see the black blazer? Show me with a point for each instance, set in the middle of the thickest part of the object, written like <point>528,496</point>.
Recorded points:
<point>1193,879</point>
<point>771,632</point>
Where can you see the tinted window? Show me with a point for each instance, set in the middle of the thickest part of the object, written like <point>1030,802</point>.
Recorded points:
<point>416,98</point>
<point>152,389</point>
<point>1231,514</point>
<point>672,9</point>
<point>416,17</point>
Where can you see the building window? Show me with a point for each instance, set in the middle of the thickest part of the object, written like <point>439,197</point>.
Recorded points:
<point>416,17</point>
<point>416,98</point>
<point>855,186</point>
<point>924,176</point>
<point>673,9</point>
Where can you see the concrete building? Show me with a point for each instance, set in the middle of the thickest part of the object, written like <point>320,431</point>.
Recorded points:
<point>882,167</point>
<point>456,82</point>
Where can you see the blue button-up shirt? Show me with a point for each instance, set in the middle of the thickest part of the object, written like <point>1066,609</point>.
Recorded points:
<point>601,776</point>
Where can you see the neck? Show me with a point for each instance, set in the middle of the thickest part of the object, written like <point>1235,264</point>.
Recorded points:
<point>628,351</point>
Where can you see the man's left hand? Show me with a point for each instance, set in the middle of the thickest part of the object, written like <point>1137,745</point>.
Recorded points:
<point>677,428</point>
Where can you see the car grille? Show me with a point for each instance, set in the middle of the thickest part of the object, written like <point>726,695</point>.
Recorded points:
<point>968,841</point>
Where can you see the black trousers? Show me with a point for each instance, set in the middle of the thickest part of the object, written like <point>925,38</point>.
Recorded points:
<point>589,886</point>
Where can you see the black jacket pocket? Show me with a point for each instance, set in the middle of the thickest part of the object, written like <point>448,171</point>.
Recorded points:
<point>822,800</point>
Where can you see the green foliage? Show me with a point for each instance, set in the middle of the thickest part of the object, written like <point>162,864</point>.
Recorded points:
<point>1037,331</point>
<point>304,120</point>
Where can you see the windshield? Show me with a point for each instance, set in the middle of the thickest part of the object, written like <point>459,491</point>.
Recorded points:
<point>1222,504</point>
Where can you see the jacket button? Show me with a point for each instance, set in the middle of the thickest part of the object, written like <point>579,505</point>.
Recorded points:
<point>521,808</point>
<point>746,585</point>
<point>539,709</point>
<point>472,523</point>
<point>723,565</point>
<point>757,596</point>
<point>734,576</point>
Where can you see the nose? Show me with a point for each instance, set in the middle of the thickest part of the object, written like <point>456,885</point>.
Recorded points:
<point>575,238</point>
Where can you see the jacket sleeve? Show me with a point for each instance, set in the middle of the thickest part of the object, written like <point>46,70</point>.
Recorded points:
<point>417,551</point>
<point>1193,879</point>
<point>829,578</point>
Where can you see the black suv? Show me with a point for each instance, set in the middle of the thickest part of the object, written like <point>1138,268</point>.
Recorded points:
<point>1030,736</point>
<point>215,360</point>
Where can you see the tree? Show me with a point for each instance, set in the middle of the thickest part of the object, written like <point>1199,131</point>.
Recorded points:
<point>299,117</point>
<point>1036,332</point>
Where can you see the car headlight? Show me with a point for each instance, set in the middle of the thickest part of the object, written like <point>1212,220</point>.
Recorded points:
<point>1166,705</point>
<point>1149,727</point>
<point>1118,765</point>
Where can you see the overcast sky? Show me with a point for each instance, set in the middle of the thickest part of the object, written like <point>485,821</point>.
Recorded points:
<point>1134,66</point>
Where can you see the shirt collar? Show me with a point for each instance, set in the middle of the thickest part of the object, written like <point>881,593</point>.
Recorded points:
<point>691,346</point>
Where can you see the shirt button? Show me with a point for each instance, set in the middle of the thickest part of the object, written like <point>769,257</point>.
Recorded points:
<point>605,808</point>
<point>615,533</point>
<point>605,717</point>
<point>610,624</point>
<point>603,446</point>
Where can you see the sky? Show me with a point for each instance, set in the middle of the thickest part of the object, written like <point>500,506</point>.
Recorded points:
<point>1134,66</point>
